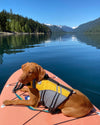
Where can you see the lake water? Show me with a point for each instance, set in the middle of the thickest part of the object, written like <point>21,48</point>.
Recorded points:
<point>73,58</point>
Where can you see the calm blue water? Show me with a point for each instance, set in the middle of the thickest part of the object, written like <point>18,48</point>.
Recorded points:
<point>73,58</point>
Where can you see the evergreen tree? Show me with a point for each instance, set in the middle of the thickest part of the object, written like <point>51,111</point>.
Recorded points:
<point>3,20</point>
<point>16,23</point>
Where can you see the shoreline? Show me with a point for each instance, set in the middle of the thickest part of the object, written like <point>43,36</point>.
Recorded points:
<point>17,33</point>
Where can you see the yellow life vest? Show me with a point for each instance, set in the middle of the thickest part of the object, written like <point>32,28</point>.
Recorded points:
<point>48,85</point>
<point>51,92</point>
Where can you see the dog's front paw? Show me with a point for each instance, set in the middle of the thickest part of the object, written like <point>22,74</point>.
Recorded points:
<point>7,102</point>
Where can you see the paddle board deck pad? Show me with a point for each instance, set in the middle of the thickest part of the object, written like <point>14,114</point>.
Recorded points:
<point>22,115</point>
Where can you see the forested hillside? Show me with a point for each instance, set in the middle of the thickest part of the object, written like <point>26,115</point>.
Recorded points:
<point>10,22</point>
<point>89,27</point>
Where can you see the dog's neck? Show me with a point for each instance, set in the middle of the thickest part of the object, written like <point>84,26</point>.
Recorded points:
<point>32,84</point>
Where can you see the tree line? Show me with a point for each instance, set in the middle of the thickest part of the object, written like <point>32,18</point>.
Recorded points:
<point>10,22</point>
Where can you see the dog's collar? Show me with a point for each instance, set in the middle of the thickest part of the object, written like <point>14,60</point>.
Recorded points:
<point>46,76</point>
<point>31,84</point>
<point>19,85</point>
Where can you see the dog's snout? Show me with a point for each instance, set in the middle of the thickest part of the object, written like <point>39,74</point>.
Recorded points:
<point>22,78</point>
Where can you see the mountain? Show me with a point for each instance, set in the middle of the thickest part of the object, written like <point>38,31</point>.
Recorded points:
<point>54,28</point>
<point>59,28</point>
<point>89,27</point>
<point>66,28</point>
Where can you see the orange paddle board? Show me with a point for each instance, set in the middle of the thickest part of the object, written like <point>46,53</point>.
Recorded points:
<point>22,115</point>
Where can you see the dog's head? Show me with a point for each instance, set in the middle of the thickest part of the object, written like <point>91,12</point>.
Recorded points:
<point>31,71</point>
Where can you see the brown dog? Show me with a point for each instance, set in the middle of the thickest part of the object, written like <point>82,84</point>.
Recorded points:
<point>77,105</point>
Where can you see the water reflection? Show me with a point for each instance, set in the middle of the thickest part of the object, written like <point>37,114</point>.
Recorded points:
<point>74,38</point>
<point>17,43</point>
<point>10,44</point>
<point>1,60</point>
<point>90,39</point>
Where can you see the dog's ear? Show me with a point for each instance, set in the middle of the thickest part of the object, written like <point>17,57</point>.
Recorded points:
<point>24,65</point>
<point>41,73</point>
